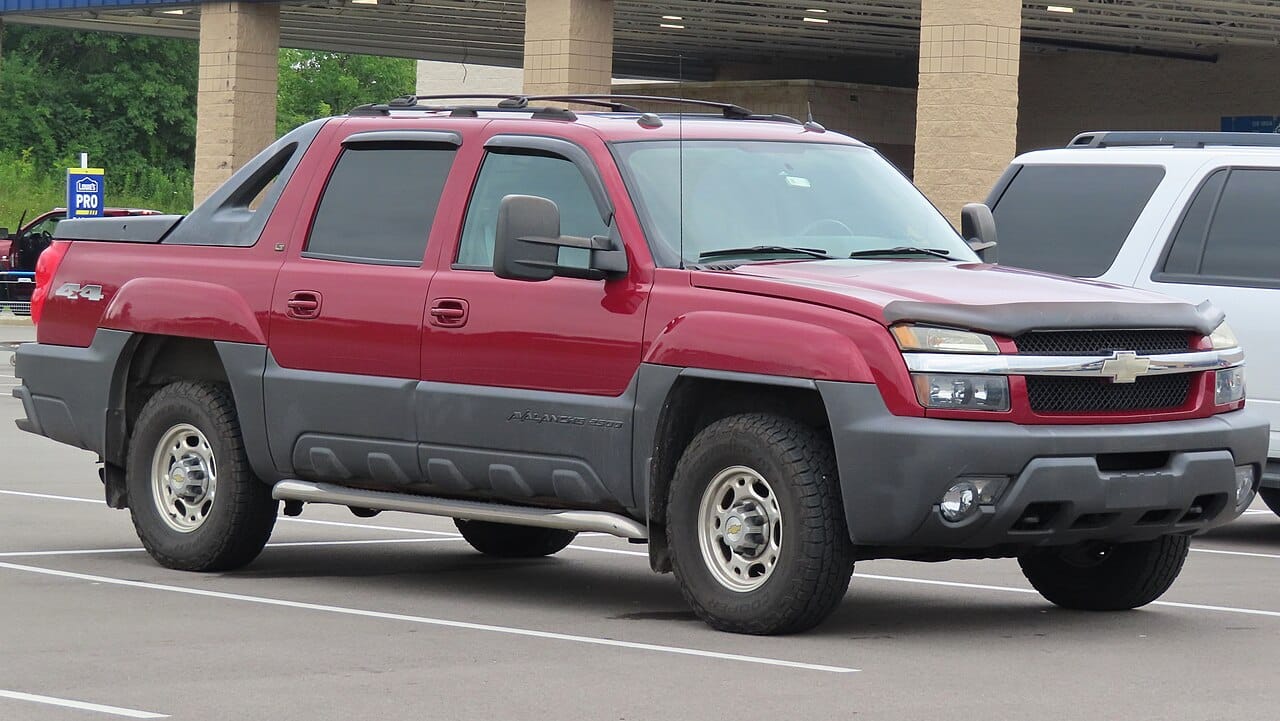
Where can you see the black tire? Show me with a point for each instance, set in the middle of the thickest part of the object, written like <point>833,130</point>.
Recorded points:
<point>1118,577</point>
<point>1271,497</point>
<point>814,555</point>
<point>239,518</point>
<point>510,541</point>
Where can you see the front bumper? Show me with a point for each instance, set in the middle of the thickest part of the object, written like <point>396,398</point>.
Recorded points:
<point>895,469</point>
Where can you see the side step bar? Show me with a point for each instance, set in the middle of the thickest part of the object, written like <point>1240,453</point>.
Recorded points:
<point>568,520</point>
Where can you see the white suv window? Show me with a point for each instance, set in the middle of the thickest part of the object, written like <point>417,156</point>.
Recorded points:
<point>1071,219</point>
<point>1230,234</point>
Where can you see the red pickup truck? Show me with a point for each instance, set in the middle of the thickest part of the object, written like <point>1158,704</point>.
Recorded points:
<point>744,340</point>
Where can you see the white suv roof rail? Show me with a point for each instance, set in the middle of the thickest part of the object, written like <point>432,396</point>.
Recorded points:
<point>1131,139</point>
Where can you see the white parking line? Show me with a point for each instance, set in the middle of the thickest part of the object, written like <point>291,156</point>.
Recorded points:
<point>282,544</point>
<point>425,620</point>
<point>1236,553</point>
<point>82,705</point>
<point>53,497</point>
<point>1011,589</point>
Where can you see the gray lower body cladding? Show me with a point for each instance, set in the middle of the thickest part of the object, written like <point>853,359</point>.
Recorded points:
<point>894,471</point>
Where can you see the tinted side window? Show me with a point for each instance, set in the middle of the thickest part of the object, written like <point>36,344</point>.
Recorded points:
<point>547,176</point>
<point>379,204</point>
<point>1244,235</point>
<point>1188,243</point>
<point>1071,219</point>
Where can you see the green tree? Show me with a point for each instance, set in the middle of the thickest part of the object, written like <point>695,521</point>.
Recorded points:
<point>317,84</point>
<point>127,101</point>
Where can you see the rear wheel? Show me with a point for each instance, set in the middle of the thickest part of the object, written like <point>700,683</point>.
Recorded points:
<point>756,527</point>
<point>195,503</point>
<point>1271,497</point>
<point>509,541</point>
<point>1106,577</point>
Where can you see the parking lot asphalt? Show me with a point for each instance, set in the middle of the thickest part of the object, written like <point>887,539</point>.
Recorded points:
<point>394,617</point>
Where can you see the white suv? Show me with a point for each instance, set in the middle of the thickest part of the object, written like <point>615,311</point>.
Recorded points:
<point>1193,215</point>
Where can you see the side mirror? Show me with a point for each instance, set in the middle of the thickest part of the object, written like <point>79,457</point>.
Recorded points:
<point>528,243</point>
<point>978,226</point>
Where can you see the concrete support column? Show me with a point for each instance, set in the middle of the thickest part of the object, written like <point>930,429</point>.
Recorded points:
<point>568,46</point>
<point>236,102</point>
<point>967,107</point>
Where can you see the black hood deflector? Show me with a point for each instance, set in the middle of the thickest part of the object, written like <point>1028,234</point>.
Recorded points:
<point>1013,319</point>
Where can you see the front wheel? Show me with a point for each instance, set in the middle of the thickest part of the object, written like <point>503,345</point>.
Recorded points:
<point>1106,577</point>
<point>1271,497</point>
<point>756,527</point>
<point>195,502</point>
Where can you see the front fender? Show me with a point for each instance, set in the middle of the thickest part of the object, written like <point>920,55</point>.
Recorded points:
<point>184,308</point>
<point>741,343</point>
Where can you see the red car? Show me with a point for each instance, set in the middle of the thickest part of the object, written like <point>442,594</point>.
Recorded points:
<point>743,340</point>
<point>20,251</point>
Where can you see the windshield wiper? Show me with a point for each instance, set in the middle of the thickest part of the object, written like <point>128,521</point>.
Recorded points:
<point>723,252</point>
<point>902,250</point>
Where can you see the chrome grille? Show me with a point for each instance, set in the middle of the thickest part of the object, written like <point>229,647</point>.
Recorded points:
<point>1048,394</point>
<point>1103,342</point>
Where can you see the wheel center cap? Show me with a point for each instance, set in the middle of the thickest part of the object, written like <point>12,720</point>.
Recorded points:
<point>177,478</point>
<point>733,529</point>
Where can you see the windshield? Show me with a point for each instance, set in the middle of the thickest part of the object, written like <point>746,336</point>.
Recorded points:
<point>763,197</point>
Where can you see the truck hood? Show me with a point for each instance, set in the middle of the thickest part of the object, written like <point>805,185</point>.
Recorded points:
<point>976,296</point>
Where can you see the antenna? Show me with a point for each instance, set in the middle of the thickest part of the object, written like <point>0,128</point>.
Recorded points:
<point>680,153</point>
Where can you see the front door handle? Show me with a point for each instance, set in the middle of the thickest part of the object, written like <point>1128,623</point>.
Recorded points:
<point>303,305</point>
<point>449,312</point>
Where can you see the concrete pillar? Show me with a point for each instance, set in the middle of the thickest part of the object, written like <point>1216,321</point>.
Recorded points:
<point>967,107</point>
<point>236,102</point>
<point>568,46</point>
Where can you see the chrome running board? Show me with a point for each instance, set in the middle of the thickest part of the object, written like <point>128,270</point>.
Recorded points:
<point>568,520</point>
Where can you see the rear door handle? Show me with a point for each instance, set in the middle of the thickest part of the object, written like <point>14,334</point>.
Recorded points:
<point>303,304</point>
<point>449,312</point>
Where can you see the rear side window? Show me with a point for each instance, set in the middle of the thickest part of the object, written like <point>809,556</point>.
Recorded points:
<point>1231,232</point>
<point>379,204</point>
<point>1071,219</point>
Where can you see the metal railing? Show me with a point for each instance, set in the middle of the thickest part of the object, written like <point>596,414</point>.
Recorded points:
<point>15,292</point>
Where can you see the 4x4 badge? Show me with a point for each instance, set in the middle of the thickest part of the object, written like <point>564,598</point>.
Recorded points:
<point>1125,367</point>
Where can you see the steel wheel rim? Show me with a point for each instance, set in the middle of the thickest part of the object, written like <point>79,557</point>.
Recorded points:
<point>184,478</point>
<point>740,529</point>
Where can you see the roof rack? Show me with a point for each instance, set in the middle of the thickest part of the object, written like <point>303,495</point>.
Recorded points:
<point>520,103</point>
<point>1135,139</point>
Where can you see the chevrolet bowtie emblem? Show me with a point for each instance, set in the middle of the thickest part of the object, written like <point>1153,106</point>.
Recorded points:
<point>1125,367</point>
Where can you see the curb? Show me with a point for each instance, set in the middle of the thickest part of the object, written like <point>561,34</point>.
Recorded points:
<point>15,322</point>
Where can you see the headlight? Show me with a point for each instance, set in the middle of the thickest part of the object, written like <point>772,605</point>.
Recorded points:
<point>942,340</point>
<point>1228,386</point>
<point>949,391</point>
<point>1223,338</point>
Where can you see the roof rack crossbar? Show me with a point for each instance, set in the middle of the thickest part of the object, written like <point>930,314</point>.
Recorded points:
<point>729,110</point>
<point>1183,139</point>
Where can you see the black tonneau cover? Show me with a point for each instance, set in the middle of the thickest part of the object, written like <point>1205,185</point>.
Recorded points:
<point>123,229</point>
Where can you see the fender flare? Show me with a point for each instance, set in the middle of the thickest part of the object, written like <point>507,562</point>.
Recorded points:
<point>183,308</point>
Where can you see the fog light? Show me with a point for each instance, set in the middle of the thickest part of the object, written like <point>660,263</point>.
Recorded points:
<point>1244,486</point>
<point>959,502</point>
<point>1229,386</point>
<point>964,497</point>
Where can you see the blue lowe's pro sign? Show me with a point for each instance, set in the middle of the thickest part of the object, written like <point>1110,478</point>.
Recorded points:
<point>84,192</point>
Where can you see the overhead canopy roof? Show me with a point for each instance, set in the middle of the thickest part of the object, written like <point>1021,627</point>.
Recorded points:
<point>706,31</point>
